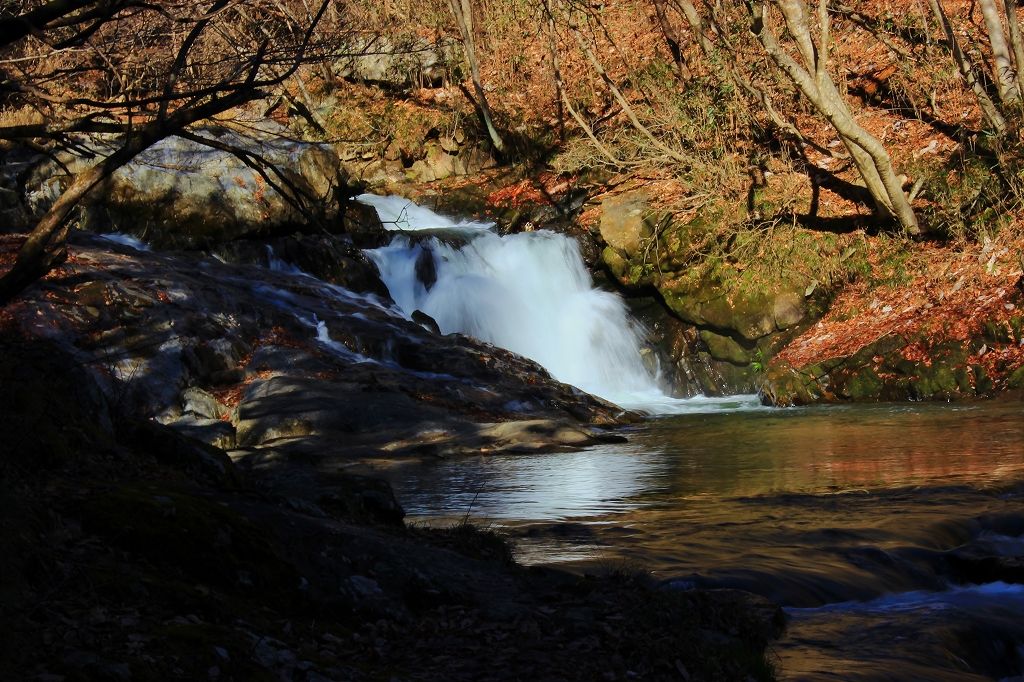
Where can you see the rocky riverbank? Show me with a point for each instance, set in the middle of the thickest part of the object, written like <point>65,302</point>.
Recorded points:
<point>182,430</point>
<point>178,432</point>
<point>132,552</point>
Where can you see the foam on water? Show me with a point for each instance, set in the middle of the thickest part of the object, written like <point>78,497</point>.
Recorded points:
<point>959,596</point>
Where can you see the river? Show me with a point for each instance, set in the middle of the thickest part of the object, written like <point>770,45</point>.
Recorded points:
<point>891,534</point>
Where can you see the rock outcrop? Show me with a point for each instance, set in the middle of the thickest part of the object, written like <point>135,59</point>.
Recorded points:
<point>723,324</point>
<point>276,363</point>
<point>180,193</point>
<point>967,347</point>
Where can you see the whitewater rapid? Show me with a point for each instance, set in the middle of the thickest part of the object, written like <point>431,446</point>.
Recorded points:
<point>529,293</point>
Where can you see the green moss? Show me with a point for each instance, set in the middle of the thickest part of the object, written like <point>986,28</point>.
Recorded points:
<point>784,386</point>
<point>726,348</point>
<point>864,385</point>
<point>615,262</point>
<point>983,384</point>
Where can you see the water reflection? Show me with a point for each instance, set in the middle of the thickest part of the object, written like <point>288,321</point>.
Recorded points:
<point>722,455</point>
<point>550,486</point>
<point>847,515</point>
<point>841,448</point>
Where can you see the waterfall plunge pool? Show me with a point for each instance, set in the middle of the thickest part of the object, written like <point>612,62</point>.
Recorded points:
<point>892,534</point>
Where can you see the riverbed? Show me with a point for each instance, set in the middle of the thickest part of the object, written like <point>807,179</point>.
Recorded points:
<point>893,535</point>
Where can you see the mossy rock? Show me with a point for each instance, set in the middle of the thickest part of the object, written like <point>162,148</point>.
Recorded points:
<point>627,221</point>
<point>785,386</point>
<point>862,385</point>
<point>726,348</point>
<point>1016,379</point>
<point>737,300</point>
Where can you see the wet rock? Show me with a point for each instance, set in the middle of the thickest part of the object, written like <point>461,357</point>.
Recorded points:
<point>683,357</point>
<point>725,348</point>
<point>425,321</point>
<point>332,258</point>
<point>974,566</point>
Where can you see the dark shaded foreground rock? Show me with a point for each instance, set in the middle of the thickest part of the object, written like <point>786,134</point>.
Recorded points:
<point>283,365</point>
<point>121,559</point>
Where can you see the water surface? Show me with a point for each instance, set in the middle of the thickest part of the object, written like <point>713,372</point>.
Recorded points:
<point>851,517</point>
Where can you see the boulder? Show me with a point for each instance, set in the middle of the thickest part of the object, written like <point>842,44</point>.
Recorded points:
<point>398,62</point>
<point>332,258</point>
<point>626,221</point>
<point>183,194</point>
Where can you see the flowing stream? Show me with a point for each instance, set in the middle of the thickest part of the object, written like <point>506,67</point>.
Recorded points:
<point>892,534</point>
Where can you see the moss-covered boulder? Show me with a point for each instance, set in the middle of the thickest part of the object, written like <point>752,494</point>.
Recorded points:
<point>627,221</point>
<point>714,276</point>
<point>894,367</point>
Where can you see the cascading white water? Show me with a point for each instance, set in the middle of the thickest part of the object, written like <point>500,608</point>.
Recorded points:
<point>529,293</point>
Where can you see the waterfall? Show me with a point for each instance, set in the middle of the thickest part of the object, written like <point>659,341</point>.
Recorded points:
<point>529,293</point>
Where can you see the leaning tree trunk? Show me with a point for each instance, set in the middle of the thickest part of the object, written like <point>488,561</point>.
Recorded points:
<point>1016,43</point>
<point>46,247</point>
<point>989,111</point>
<point>1002,66</point>
<point>463,12</point>
<point>815,83</point>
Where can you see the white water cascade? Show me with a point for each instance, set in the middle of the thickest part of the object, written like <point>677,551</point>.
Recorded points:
<point>529,293</point>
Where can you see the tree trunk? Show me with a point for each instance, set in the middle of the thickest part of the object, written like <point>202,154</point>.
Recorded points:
<point>989,110</point>
<point>1002,66</point>
<point>463,12</point>
<point>1016,43</point>
<point>45,247</point>
<point>621,99</point>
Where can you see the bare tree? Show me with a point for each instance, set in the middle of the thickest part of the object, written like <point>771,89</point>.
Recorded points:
<point>811,76</point>
<point>1003,71</point>
<point>1002,111</point>
<point>968,70</point>
<point>138,71</point>
<point>462,10</point>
